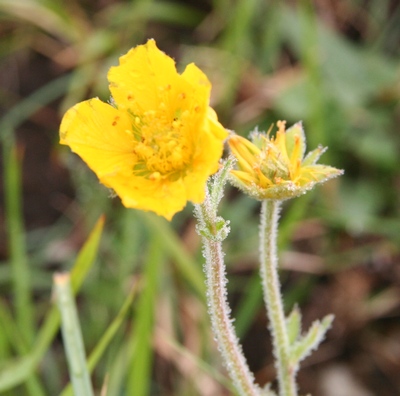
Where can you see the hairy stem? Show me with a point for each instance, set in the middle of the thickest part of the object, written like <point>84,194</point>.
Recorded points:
<point>222,323</point>
<point>213,230</point>
<point>272,296</point>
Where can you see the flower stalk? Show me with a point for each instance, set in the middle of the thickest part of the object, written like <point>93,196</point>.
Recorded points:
<point>222,323</point>
<point>272,296</point>
<point>214,230</point>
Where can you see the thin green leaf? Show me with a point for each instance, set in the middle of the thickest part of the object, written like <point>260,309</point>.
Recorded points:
<point>13,336</point>
<point>172,245</point>
<point>16,239</point>
<point>311,340</point>
<point>293,325</point>
<point>72,335</point>
<point>140,367</point>
<point>107,337</point>
<point>18,370</point>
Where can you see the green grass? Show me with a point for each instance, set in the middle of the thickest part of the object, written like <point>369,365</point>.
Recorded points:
<point>267,60</point>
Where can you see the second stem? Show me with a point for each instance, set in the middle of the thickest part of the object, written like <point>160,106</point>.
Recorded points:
<point>272,296</point>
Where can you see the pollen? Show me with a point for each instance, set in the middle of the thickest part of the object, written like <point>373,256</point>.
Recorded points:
<point>155,176</point>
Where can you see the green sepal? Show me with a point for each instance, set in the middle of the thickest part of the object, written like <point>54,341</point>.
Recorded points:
<point>290,138</point>
<point>313,174</point>
<point>313,156</point>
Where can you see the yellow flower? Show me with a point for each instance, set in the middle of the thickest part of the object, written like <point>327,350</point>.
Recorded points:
<point>158,141</point>
<point>275,168</point>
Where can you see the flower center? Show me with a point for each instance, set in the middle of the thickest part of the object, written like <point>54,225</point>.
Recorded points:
<point>163,149</point>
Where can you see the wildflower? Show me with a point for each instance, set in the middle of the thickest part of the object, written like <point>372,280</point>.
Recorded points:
<point>275,168</point>
<point>158,141</point>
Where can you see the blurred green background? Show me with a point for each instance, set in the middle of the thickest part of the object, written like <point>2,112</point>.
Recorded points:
<point>332,64</point>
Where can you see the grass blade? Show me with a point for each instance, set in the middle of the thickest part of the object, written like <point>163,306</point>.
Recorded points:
<point>139,376</point>
<point>189,268</point>
<point>107,337</point>
<point>72,336</point>
<point>17,371</point>
<point>16,240</point>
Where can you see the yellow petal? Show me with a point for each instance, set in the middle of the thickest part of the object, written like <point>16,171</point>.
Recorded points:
<point>215,127</point>
<point>158,196</point>
<point>280,140</point>
<point>200,87</point>
<point>142,77</point>
<point>208,151</point>
<point>100,135</point>
<point>245,152</point>
<point>244,177</point>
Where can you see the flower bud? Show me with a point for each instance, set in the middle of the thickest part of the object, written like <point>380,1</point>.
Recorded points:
<point>275,167</point>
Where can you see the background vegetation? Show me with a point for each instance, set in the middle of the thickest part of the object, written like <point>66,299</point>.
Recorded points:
<point>332,64</point>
